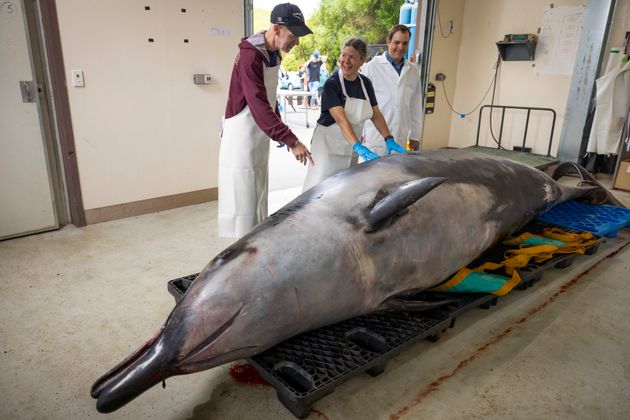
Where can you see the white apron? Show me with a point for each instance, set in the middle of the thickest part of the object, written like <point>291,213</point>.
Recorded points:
<point>612,100</point>
<point>244,168</point>
<point>329,148</point>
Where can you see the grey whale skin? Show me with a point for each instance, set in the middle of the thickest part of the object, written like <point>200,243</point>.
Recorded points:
<point>354,244</point>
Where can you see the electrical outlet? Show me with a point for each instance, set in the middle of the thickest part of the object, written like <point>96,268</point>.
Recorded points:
<point>440,77</point>
<point>202,79</point>
<point>77,78</point>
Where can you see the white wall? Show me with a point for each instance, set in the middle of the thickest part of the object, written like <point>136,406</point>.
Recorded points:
<point>445,59</point>
<point>486,22</point>
<point>142,128</point>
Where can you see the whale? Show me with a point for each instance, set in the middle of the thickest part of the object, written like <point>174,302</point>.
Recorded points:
<point>361,241</point>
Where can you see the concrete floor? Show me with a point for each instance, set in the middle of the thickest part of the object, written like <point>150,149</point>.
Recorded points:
<point>77,301</point>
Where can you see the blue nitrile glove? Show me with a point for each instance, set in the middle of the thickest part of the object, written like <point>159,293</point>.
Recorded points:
<point>363,152</point>
<point>392,145</point>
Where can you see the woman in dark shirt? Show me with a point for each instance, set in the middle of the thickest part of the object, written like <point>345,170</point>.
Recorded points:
<point>348,101</point>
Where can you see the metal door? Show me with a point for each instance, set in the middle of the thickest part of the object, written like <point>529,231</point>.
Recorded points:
<point>26,193</point>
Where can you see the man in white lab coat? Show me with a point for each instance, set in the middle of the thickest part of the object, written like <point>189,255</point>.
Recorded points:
<point>398,92</point>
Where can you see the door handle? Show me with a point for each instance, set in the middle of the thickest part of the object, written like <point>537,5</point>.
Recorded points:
<point>27,87</point>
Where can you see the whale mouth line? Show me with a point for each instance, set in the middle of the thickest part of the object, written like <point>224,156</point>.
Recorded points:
<point>200,365</point>
<point>199,349</point>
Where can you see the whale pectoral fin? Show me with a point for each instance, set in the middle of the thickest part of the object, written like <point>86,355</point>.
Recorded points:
<point>388,206</point>
<point>400,304</point>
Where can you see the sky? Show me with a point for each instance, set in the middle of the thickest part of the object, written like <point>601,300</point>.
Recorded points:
<point>307,7</point>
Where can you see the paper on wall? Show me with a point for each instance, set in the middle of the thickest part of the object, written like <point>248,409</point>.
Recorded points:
<point>560,31</point>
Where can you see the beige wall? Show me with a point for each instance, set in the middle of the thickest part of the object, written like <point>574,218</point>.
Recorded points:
<point>142,128</point>
<point>444,60</point>
<point>486,22</point>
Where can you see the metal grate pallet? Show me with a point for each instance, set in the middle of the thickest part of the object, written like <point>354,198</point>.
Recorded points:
<point>310,366</point>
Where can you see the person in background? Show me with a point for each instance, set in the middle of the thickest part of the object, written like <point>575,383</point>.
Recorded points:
<point>399,94</point>
<point>347,102</point>
<point>282,74</point>
<point>303,84</point>
<point>323,76</point>
<point>251,119</point>
<point>312,68</point>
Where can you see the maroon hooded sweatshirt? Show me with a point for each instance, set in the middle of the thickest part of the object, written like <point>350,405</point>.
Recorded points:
<point>247,87</point>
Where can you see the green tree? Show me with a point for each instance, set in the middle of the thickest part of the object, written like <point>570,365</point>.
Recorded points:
<point>337,20</point>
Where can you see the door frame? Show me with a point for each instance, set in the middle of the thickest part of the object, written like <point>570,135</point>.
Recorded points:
<point>248,16</point>
<point>45,43</point>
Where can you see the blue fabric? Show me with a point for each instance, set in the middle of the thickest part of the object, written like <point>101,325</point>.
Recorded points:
<point>397,67</point>
<point>476,282</point>
<point>538,240</point>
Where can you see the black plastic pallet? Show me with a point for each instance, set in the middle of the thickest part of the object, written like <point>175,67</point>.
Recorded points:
<point>307,367</point>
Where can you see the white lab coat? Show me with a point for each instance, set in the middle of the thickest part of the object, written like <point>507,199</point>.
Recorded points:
<point>399,99</point>
<point>612,100</point>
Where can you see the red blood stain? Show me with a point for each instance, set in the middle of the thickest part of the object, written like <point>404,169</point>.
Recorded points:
<point>247,374</point>
<point>435,385</point>
<point>319,413</point>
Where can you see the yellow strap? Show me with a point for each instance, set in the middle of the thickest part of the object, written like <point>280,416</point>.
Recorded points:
<point>521,238</point>
<point>517,261</point>
<point>489,266</point>
<point>532,249</point>
<point>509,285</point>
<point>553,233</point>
<point>561,235</point>
<point>519,258</point>
<point>461,274</point>
<point>576,243</point>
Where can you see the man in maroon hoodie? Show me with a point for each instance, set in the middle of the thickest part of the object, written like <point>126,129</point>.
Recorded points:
<point>251,119</point>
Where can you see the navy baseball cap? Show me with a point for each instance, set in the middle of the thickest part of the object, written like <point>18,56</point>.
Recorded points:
<point>289,15</point>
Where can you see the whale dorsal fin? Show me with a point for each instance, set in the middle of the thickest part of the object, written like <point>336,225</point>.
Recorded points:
<point>388,206</point>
